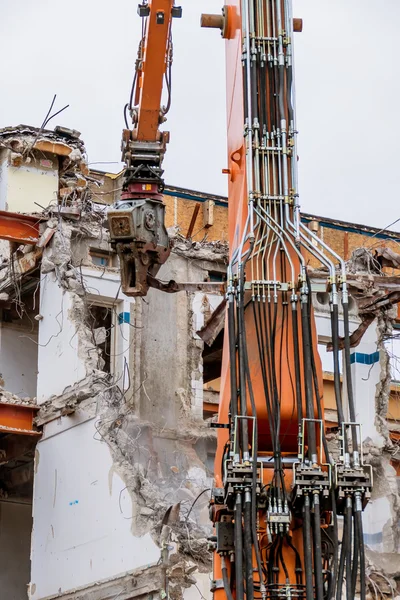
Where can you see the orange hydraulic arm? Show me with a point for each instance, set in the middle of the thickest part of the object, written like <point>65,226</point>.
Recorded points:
<point>137,227</point>
<point>276,500</point>
<point>152,68</point>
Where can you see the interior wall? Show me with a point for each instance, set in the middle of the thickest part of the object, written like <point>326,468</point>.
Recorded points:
<point>29,183</point>
<point>15,537</point>
<point>60,364</point>
<point>82,513</point>
<point>19,360</point>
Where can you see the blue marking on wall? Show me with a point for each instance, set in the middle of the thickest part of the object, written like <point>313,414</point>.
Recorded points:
<point>124,317</point>
<point>364,359</point>
<point>74,502</point>
<point>373,538</point>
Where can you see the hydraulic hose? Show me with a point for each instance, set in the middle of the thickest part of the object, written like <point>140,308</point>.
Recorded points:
<point>296,353</point>
<point>342,561</point>
<point>359,523</point>
<point>308,380</point>
<point>225,579</point>
<point>248,548</point>
<point>232,357</point>
<point>242,374</point>
<point>349,517</point>
<point>238,531</point>
<point>308,566</point>
<point>349,383</point>
<point>319,585</point>
<point>336,367</point>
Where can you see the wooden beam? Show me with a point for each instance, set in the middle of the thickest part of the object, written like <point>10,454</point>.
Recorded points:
<point>193,220</point>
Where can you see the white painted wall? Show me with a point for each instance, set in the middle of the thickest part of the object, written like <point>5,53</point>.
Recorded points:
<point>29,183</point>
<point>81,513</point>
<point>15,537</point>
<point>105,288</point>
<point>3,178</point>
<point>365,379</point>
<point>201,303</point>
<point>58,362</point>
<point>200,591</point>
<point>19,360</point>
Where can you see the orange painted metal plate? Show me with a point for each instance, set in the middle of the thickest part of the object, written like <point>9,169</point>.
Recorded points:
<point>151,76</point>
<point>23,229</point>
<point>18,418</point>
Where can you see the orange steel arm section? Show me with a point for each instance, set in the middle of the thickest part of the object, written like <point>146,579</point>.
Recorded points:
<point>22,229</point>
<point>152,69</point>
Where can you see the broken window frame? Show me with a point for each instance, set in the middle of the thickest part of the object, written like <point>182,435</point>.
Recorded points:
<point>116,346</point>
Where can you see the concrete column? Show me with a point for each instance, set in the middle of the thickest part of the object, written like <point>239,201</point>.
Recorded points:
<point>366,373</point>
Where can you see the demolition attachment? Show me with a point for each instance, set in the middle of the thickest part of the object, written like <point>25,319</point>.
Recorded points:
<point>136,223</point>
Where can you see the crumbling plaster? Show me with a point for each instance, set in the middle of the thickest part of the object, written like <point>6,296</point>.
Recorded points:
<point>150,420</point>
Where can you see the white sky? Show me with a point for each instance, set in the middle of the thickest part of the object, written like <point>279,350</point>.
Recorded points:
<point>347,84</point>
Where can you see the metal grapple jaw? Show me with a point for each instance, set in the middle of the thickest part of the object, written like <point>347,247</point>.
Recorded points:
<point>140,238</point>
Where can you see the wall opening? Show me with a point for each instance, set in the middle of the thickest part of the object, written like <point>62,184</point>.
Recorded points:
<point>19,347</point>
<point>100,319</point>
<point>16,491</point>
<point>212,364</point>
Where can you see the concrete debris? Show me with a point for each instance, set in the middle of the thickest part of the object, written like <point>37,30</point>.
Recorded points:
<point>9,398</point>
<point>363,261</point>
<point>216,252</point>
<point>147,411</point>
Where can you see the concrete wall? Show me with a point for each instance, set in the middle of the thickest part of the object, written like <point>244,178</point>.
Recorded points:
<point>15,537</point>
<point>32,182</point>
<point>169,351</point>
<point>19,359</point>
<point>59,364</point>
<point>82,513</point>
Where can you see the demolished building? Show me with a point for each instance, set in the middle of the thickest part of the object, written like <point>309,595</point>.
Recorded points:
<point>106,401</point>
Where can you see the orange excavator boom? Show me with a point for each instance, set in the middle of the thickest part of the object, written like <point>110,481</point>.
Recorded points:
<point>137,228</point>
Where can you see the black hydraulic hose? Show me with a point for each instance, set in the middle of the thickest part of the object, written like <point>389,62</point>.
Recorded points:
<point>349,516</point>
<point>349,383</point>
<point>238,530</point>
<point>254,90</point>
<point>254,464</point>
<point>319,583</point>
<point>280,93</point>
<point>261,351</point>
<point>232,357</point>
<point>245,103</point>
<point>296,352</point>
<point>332,581</point>
<point>336,367</point>
<point>308,378</point>
<point>356,552</point>
<point>343,552</point>
<point>307,548</point>
<point>263,96</point>
<point>358,519</point>
<point>299,567</point>
<point>335,561</point>
<point>271,96</point>
<point>225,579</point>
<point>242,372</point>
<point>248,547</point>
<point>271,561</point>
<point>289,82</point>
<point>282,560</point>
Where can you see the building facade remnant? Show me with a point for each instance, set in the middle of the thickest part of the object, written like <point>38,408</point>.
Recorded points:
<point>106,400</point>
